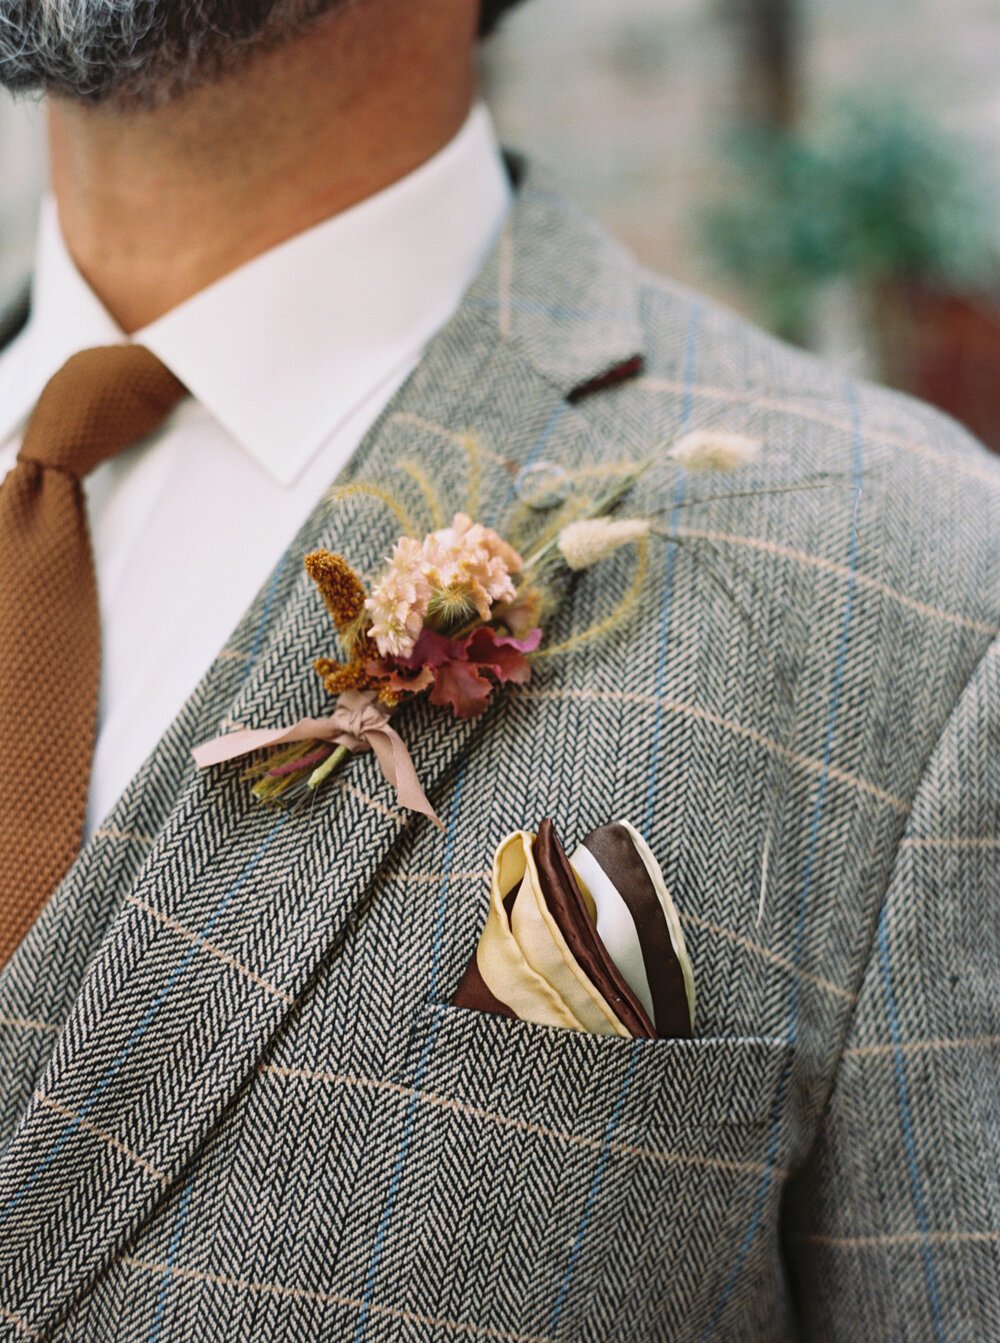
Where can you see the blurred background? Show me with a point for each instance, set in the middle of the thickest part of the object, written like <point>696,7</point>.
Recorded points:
<point>829,167</point>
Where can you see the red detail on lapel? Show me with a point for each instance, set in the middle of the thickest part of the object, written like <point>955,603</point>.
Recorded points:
<point>629,368</point>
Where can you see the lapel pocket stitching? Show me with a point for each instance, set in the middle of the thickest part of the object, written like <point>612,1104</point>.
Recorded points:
<point>688,1085</point>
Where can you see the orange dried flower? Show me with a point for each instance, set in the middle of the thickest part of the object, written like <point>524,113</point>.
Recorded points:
<point>341,676</point>
<point>339,586</point>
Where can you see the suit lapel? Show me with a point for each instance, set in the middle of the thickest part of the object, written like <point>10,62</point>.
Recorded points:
<point>195,941</point>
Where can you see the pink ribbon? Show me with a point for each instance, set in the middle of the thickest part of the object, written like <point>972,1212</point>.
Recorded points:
<point>357,723</point>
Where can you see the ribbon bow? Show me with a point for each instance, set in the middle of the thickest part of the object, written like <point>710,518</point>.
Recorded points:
<point>357,723</point>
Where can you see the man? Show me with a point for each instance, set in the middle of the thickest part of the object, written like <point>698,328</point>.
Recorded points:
<point>235,1100</point>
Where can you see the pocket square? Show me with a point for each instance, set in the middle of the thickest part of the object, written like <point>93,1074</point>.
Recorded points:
<point>590,942</point>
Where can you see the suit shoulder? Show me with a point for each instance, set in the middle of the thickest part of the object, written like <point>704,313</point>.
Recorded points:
<point>717,349</point>
<point>930,489</point>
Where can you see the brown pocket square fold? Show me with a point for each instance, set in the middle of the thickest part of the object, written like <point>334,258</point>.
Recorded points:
<point>590,943</point>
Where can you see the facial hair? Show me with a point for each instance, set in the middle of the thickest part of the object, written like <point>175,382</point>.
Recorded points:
<point>142,52</point>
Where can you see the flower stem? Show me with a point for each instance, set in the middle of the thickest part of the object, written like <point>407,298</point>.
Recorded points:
<point>604,504</point>
<point>328,766</point>
<point>271,786</point>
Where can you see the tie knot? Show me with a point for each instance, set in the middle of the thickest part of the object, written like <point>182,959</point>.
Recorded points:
<point>100,402</point>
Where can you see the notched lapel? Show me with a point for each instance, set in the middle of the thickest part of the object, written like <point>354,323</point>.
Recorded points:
<point>235,905</point>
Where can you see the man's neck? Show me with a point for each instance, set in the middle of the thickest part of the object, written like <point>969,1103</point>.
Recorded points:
<point>155,204</point>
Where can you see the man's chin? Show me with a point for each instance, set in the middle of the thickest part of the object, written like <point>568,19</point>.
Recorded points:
<point>140,53</point>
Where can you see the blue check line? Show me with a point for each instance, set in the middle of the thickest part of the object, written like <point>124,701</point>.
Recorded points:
<point>666,609</point>
<point>906,1120</point>
<point>418,1076</point>
<point>397,1174</point>
<point>690,351</point>
<point>265,614</point>
<point>442,903</point>
<point>815,827</point>
<point>148,1017</point>
<point>175,1241</point>
<point>182,1211</point>
<point>595,1187</point>
<point>756,1213</point>
<point>536,449</point>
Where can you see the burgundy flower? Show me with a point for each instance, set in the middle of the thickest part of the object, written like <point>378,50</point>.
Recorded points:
<point>463,673</point>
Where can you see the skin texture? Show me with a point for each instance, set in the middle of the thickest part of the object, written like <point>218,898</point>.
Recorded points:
<point>155,203</point>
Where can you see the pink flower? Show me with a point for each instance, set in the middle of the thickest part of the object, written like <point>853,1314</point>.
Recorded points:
<point>477,537</point>
<point>454,573</point>
<point>399,600</point>
<point>469,567</point>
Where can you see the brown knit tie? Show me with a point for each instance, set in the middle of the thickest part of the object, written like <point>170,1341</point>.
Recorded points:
<point>100,402</point>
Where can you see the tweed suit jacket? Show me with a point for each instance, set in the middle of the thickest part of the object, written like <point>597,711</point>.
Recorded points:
<point>234,1100</point>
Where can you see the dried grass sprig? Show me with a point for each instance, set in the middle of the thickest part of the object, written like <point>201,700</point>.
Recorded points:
<point>714,450</point>
<point>548,560</point>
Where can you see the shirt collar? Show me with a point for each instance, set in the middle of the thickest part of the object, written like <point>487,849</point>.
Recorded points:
<point>66,316</point>
<point>284,349</point>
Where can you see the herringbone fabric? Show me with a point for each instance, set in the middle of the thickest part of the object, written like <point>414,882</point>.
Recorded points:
<point>99,402</point>
<point>235,1100</point>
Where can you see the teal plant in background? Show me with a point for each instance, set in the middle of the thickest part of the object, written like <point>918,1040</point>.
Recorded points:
<point>876,194</point>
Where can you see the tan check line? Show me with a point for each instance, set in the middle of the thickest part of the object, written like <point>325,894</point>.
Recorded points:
<point>951,461</point>
<point>103,1134</point>
<point>213,949</point>
<point>290,1293</point>
<point>20,1324</point>
<point>906,1238</point>
<point>435,878</point>
<point>656,1155</point>
<point>682,709</point>
<point>29,1024</point>
<point>370,801</point>
<point>923,1046</point>
<point>757,949</point>
<point>839,570</point>
<point>126,836</point>
<point>952,842</point>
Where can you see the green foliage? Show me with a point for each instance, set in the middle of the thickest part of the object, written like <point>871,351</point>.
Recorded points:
<point>878,195</point>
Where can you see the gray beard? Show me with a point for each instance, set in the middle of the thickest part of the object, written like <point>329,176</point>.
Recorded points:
<point>142,52</point>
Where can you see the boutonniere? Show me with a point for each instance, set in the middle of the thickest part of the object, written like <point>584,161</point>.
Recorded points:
<point>454,616</point>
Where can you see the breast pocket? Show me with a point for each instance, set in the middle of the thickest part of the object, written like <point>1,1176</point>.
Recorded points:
<point>572,1186</point>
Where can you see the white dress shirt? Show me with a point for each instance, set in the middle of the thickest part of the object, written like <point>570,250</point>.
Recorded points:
<point>289,360</point>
